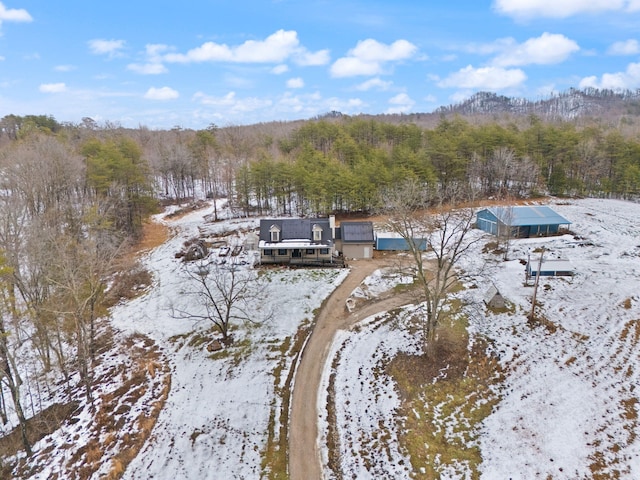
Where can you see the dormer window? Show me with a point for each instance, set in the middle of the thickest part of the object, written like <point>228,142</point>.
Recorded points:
<point>317,233</point>
<point>274,232</point>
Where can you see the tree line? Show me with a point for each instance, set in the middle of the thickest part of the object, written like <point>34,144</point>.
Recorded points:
<point>342,166</point>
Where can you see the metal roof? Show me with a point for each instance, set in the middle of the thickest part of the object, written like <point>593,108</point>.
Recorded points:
<point>528,215</point>
<point>357,232</point>
<point>295,228</point>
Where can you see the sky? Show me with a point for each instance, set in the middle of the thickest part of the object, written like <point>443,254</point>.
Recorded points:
<point>166,64</point>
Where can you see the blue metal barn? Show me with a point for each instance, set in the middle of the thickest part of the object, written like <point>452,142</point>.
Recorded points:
<point>393,241</point>
<point>524,221</point>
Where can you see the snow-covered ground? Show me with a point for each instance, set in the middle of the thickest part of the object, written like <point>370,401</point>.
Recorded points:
<point>568,406</point>
<point>215,422</point>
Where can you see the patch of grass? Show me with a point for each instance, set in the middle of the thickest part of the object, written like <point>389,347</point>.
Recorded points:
<point>275,458</point>
<point>541,321</point>
<point>333,436</point>
<point>154,234</point>
<point>445,397</point>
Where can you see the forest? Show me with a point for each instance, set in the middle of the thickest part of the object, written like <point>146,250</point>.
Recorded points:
<point>75,197</point>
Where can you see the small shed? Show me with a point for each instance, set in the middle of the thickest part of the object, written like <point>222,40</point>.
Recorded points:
<point>549,268</point>
<point>493,298</point>
<point>355,239</point>
<point>395,241</point>
<point>522,221</point>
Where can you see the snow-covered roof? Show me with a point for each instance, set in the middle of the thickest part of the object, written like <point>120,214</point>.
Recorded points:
<point>288,244</point>
<point>550,265</point>
<point>388,235</point>
<point>528,215</point>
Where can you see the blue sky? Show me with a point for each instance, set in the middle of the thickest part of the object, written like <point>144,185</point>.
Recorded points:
<point>165,63</point>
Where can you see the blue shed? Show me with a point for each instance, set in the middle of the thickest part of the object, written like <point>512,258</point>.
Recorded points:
<point>394,241</point>
<point>524,221</point>
<point>549,268</point>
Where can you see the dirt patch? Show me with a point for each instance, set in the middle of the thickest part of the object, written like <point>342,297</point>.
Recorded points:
<point>42,424</point>
<point>154,234</point>
<point>192,207</point>
<point>447,359</point>
<point>445,395</point>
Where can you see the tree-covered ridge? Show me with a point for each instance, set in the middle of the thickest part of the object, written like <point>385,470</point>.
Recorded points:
<point>342,163</point>
<point>342,166</point>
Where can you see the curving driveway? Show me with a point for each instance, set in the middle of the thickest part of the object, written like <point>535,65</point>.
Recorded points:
<point>304,451</point>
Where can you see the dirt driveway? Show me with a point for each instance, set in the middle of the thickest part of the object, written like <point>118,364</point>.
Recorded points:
<point>304,452</point>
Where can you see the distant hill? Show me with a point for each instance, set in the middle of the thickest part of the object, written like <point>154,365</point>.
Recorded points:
<point>564,106</point>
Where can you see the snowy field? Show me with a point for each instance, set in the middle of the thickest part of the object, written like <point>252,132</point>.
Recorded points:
<point>568,406</point>
<point>215,422</point>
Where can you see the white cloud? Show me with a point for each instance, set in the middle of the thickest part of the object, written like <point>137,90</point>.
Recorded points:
<point>369,57</point>
<point>497,46</point>
<point>232,104</point>
<point>295,83</point>
<point>400,103</point>
<point>106,47</point>
<point>280,69</point>
<point>348,106</point>
<point>53,88</point>
<point>547,49</point>
<point>162,93</point>
<point>629,79</point>
<point>491,78</point>
<point>154,51</point>
<point>13,14</point>
<point>310,59</point>
<point>525,9</point>
<point>628,47</point>
<point>147,68</point>
<point>64,68</point>
<point>352,66</point>
<point>374,84</point>
<point>276,48</point>
<point>373,51</point>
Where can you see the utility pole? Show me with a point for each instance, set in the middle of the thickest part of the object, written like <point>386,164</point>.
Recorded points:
<point>535,287</point>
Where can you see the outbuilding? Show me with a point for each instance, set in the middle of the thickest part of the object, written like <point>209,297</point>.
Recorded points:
<point>549,268</point>
<point>355,239</point>
<point>493,298</point>
<point>395,241</point>
<point>521,221</point>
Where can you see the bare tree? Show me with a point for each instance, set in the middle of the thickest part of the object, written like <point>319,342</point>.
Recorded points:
<point>226,294</point>
<point>506,229</point>
<point>79,281</point>
<point>436,239</point>
<point>9,374</point>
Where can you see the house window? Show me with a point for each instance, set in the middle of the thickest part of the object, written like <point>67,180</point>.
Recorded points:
<point>274,232</point>
<point>268,251</point>
<point>282,251</point>
<point>310,251</point>
<point>324,251</point>
<point>317,233</point>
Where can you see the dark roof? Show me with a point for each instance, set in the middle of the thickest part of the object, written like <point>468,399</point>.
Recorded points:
<point>528,215</point>
<point>357,232</point>
<point>295,228</point>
